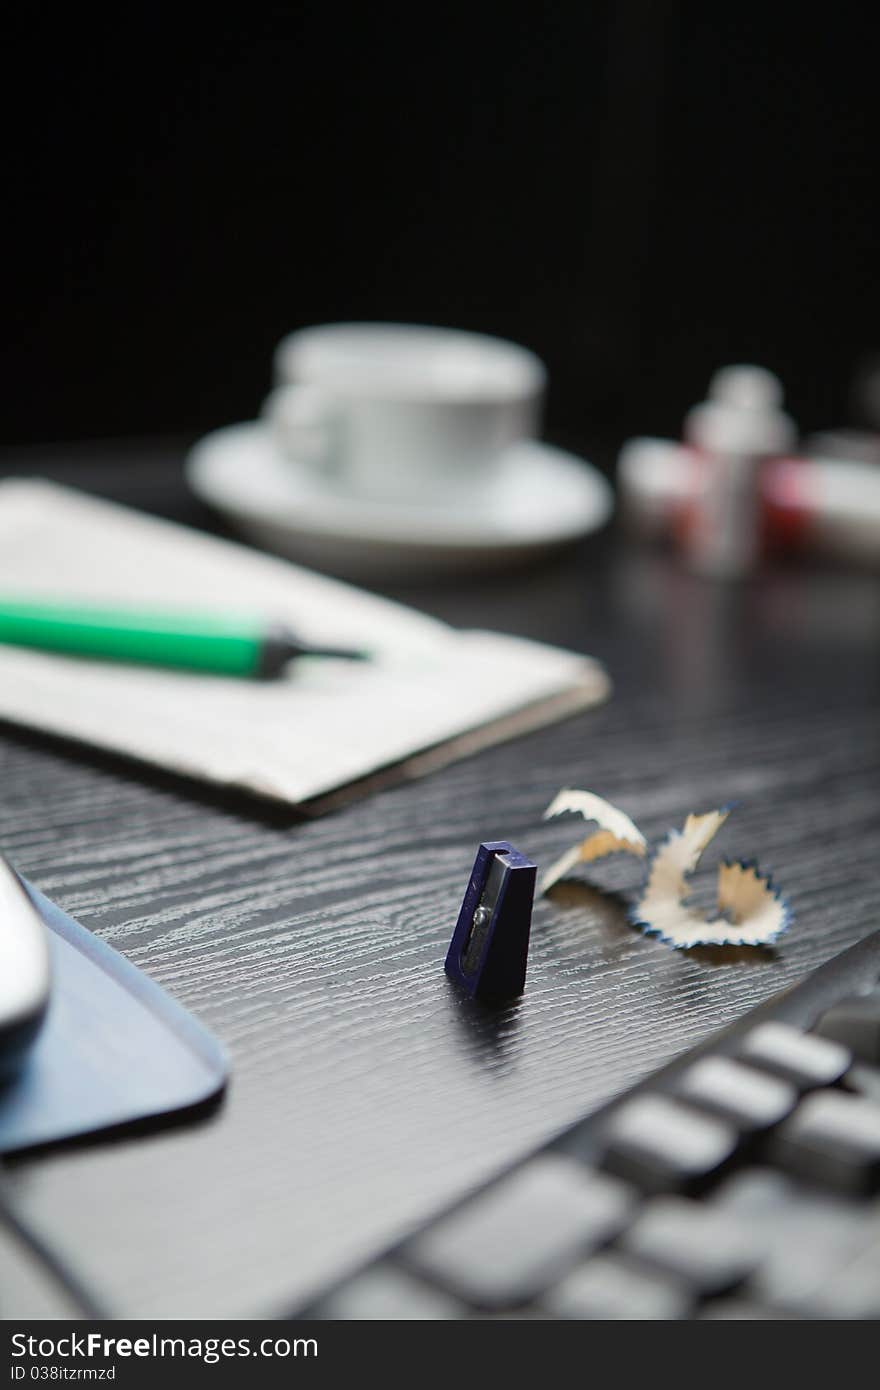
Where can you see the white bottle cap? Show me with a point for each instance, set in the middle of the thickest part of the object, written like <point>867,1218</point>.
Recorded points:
<point>742,415</point>
<point>720,428</point>
<point>753,388</point>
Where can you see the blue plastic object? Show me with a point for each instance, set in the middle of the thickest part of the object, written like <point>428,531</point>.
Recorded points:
<point>489,950</point>
<point>114,1047</point>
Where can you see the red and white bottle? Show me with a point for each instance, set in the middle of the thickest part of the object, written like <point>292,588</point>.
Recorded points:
<point>731,436</point>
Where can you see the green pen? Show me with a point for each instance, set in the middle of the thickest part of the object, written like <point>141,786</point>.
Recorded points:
<point>227,645</point>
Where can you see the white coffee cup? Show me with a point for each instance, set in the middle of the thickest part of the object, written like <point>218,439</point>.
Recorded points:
<point>402,412</point>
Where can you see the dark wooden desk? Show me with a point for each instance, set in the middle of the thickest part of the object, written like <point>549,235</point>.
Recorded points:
<point>365,1091</point>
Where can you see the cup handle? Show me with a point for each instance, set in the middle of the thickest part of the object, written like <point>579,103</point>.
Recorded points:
<point>303,426</point>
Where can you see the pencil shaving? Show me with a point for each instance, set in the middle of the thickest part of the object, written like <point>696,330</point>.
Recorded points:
<point>616,834</point>
<point>750,912</point>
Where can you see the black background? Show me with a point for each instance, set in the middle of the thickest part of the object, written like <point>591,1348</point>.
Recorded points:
<point>639,192</point>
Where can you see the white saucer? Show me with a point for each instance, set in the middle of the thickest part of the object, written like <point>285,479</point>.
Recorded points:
<point>538,500</point>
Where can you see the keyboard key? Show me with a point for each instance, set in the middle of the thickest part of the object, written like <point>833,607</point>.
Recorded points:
<point>854,1292</point>
<point>833,1139</point>
<point>805,1236</point>
<point>864,1081</point>
<point>610,1287</point>
<point>800,1058</point>
<point>664,1146</point>
<point>750,1099</point>
<point>511,1241</point>
<point>705,1247</point>
<point>385,1294</point>
<point>752,1193</point>
<point>738,1310</point>
<point>856,1024</point>
<point>530,1314</point>
<point>804,1261</point>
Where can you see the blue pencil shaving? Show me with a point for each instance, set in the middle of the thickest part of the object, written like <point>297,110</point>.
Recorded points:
<point>750,911</point>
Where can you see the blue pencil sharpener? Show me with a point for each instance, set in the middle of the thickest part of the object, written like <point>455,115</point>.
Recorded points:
<point>489,950</point>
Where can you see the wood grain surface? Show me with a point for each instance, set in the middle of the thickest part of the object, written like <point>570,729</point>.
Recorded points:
<point>366,1092</point>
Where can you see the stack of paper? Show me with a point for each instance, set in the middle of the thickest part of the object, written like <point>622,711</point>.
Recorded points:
<point>325,725</point>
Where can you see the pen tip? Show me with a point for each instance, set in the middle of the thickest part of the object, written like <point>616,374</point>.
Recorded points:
<point>342,653</point>
<point>279,648</point>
